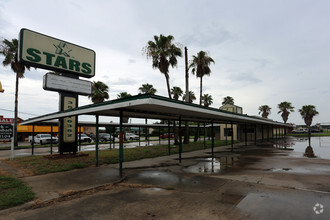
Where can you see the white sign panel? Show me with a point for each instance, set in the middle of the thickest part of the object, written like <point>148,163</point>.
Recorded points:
<point>46,52</point>
<point>54,82</point>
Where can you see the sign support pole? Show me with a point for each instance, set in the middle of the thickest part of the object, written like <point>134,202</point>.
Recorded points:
<point>12,147</point>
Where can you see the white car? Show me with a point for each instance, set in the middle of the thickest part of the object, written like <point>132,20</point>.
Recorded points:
<point>300,131</point>
<point>131,136</point>
<point>43,139</point>
<point>84,138</point>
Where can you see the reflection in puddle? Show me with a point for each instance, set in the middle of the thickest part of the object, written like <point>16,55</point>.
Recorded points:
<point>309,152</point>
<point>279,169</point>
<point>155,191</point>
<point>211,165</point>
<point>303,147</point>
<point>158,177</point>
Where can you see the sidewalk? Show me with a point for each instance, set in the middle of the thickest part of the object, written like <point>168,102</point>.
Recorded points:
<point>51,186</point>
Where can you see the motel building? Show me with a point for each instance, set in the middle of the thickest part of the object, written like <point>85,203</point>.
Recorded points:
<point>244,132</point>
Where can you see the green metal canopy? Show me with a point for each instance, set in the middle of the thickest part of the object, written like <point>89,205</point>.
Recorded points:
<point>156,107</point>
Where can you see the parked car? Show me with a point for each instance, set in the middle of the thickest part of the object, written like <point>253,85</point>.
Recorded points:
<point>43,139</point>
<point>166,135</point>
<point>316,130</point>
<point>300,131</point>
<point>131,136</point>
<point>105,137</point>
<point>84,138</point>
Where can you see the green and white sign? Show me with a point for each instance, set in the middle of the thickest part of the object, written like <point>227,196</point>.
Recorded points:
<point>46,52</point>
<point>69,123</point>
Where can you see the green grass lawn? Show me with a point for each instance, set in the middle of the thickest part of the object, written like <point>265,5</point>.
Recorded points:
<point>325,133</point>
<point>45,164</point>
<point>13,192</point>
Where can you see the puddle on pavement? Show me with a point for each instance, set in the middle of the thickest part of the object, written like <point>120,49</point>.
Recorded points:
<point>279,169</point>
<point>211,165</point>
<point>156,191</point>
<point>157,177</point>
<point>317,147</point>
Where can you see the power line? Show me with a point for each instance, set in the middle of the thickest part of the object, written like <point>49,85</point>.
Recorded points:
<point>18,112</point>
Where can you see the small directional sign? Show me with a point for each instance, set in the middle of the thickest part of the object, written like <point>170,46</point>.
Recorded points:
<point>6,131</point>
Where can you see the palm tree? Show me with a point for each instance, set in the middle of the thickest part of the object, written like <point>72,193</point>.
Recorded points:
<point>99,92</point>
<point>285,108</point>
<point>308,112</point>
<point>147,89</point>
<point>163,53</point>
<point>200,65</point>
<point>176,92</point>
<point>265,110</point>
<point>228,100</point>
<point>207,100</point>
<point>192,97</point>
<point>10,50</point>
<point>123,95</point>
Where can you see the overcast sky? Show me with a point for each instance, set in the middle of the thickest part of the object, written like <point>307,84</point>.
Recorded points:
<point>265,52</point>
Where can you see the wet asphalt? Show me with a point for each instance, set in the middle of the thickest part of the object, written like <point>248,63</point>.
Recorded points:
<point>260,181</point>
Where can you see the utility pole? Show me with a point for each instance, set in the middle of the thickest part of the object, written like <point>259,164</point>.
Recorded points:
<point>186,136</point>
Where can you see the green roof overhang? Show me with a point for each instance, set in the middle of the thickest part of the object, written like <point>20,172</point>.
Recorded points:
<point>156,107</point>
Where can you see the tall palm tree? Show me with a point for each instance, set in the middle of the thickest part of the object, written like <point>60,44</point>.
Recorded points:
<point>228,100</point>
<point>265,110</point>
<point>123,95</point>
<point>163,53</point>
<point>10,50</point>
<point>100,92</point>
<point>285,109</point>
<point>191,96</point>
<point>147,89</point>
<point>176,92</point>
<point>200,65</point>
<point>207,100</point>
<point>308,112</point>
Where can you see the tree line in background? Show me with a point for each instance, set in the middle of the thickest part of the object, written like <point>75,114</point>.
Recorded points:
<point>163,52</point>
<point>307,112</point>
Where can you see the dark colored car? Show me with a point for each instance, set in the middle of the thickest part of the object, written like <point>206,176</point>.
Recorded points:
<point>166,135</point>
<point>104,137</point>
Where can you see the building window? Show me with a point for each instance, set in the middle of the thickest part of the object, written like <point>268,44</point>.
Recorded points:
<point>228,132</point>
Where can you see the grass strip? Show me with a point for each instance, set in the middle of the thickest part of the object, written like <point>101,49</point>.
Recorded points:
<point>38,165</point>
<point>13,192</point>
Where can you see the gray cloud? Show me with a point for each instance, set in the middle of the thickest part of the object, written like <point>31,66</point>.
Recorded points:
<point>207,35</point>
<point>123,82</point>
<point>244,78</point>
<point>131,61</point>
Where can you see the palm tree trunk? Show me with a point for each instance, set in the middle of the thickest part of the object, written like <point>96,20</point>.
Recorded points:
<point>16,112</point>
<point>168,85</point>
<point>176,142</point>
<point>200,91</point>
<point>200,103</point>
<point>186,134</point>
